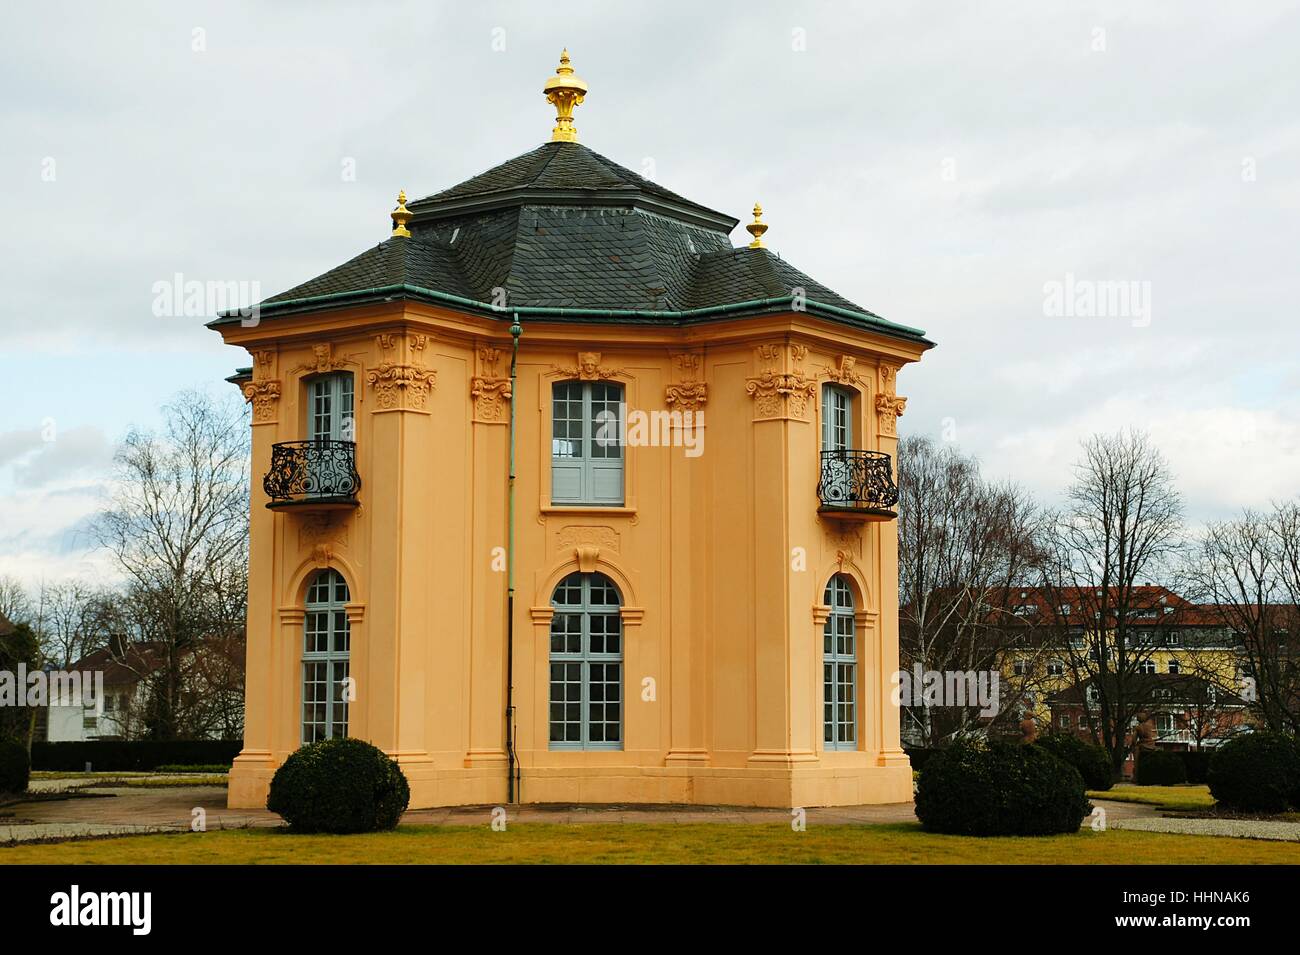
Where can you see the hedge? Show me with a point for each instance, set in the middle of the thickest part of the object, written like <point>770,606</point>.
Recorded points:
<point>14,770</point>
<point>1158,767</point>
<point>975,788</point>
<point>1197,763</point>
<point>1092,762</point>
<point>132,755</point>
<point>918,756</point>
<point>1257,772</point>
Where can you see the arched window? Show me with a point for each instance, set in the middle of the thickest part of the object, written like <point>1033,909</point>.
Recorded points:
<point>840,668</point>
<point>326,685</point>
<point>586,664</point>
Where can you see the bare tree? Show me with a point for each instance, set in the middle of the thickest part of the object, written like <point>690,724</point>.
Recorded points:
<point>1248,571</point>
<point>963,542</point>
<point>178,530</point>
<point>1122,525</point>
<point>15,604</point>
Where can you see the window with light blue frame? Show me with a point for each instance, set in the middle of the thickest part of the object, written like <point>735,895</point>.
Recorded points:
<point>325,658</point>
<point>586,702</point>
<point>840,668</point>
<point>587,443</point>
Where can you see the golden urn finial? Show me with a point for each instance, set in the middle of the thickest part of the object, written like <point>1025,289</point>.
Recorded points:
<point>401,215</point>
<point>757,228</point>
<point>564,91</point>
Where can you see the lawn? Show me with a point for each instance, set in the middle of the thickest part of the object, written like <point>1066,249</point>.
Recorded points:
<point>1184,798</point>
<point>656,843</point>
<point>137,780</point>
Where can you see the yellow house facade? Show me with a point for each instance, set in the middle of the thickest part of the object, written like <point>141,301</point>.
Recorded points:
<point>563,498</point>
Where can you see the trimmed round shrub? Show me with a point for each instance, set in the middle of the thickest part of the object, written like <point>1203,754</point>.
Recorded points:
<point>15,769</point>
<point>339,786</point>
<point>1000,789</point>
<point>1158,767</point>
<point>1088,758</point>
<point>1257,772</point>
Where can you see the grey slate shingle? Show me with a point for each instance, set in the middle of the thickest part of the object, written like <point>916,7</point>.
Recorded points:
<point>562,226</point>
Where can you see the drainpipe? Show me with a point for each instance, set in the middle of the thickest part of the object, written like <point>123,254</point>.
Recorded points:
<point>514,785</point>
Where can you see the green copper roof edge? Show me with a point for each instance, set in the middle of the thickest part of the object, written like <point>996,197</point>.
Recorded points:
<point>561,311</point>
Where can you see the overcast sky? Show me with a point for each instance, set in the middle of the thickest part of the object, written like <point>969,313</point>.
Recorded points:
<point>939,163</point>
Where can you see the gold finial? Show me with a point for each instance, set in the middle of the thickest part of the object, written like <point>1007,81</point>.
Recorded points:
<point>401,215</point>
<point>757,228</point>
<point>564,91</point>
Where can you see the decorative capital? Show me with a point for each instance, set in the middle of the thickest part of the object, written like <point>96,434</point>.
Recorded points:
<point>781,390</point>
<point>263,395</point>
<point>690,394</point>
<point>889,407</point>
<point>565,90</point>
<point>398,383</point>
<point>401,216</point>
<point>757,228</point>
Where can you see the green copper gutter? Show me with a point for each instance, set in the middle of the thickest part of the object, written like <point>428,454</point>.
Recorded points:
<point>587,313</point>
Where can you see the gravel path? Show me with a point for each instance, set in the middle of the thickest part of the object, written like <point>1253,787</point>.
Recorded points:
<point>1239,828</point>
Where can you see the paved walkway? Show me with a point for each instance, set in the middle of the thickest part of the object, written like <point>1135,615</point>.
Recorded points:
<point>103,809</point>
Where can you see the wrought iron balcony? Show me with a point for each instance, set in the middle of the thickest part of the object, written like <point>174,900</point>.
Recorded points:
<point>858,485</point>
<point>313,475</point>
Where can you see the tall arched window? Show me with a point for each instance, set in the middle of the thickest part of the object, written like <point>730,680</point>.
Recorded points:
<point>840,668</point>
<point>326,638</point>
<point>586,664</point>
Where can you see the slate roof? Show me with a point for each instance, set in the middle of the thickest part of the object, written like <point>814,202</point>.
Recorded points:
<point>562,227</point>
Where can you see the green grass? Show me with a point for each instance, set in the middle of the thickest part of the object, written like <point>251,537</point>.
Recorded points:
<point>137,780</point>
<point>1184,798</point>
<point>896,844</point>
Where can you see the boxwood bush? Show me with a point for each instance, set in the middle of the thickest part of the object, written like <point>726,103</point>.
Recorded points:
<point>15,770</point>
<point>1197,763</point>
<point>1158,767</point>
<point>339,786</point>
<point>1088,758</point>
<point>975,788</point>
<point>142,755</point>
<point>1256,772</point>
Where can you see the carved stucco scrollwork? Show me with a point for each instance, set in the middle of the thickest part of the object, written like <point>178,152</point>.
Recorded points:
<point>575,535</point>
<point>889,406</point>
<point>490,389</point>
<point>401,380</point>
<point>690,393</point>
<point>264,396</point>
<point>324,360</point>
<point>781,389</point>
<point>588,368</point>
<point>845,371</point>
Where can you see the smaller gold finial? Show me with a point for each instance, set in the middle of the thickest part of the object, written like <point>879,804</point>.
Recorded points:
<point>401,216</point>
<point>565,90</point>
<point>757,228</point>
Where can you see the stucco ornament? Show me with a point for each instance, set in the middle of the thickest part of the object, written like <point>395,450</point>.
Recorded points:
<point>401,381</point>
<point>781,389</point>
<point>688,394</point>
<point>490,389</point>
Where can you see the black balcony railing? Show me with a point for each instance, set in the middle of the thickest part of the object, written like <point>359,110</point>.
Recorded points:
<point>858,482</point>
<point>322,472</point>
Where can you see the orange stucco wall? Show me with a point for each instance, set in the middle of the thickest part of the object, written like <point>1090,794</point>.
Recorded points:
<point>721,558</point>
